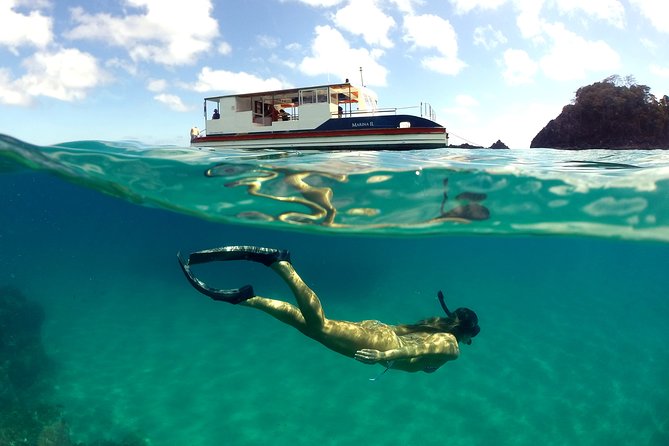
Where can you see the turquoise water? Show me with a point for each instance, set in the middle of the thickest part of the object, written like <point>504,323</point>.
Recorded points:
<point>563,255</point>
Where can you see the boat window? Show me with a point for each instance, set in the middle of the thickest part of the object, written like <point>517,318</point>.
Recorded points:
<point>314,96</point>
<point>258,108</point>
<point>243,104</point>
<point>307,96</point>
<point>209,106</point>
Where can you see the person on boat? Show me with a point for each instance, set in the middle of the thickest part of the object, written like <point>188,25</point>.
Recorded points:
<point>423,346</point>
<point>216,114</point>
<point>194,133</point>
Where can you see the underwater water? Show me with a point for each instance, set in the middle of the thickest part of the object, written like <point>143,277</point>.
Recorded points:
<point>563,255</point>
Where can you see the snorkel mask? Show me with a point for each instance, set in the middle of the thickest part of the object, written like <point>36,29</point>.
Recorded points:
<point>468,320</point>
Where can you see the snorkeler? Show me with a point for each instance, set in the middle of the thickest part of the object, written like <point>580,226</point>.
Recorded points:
<point>423,346</point>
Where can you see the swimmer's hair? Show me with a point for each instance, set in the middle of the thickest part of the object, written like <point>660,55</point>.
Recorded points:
<point>459,323</point>
<point>462,321</point>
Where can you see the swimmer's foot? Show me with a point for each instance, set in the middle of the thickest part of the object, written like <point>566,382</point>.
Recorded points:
<point>266,256</point>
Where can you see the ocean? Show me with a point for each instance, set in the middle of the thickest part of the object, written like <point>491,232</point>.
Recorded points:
<point>562,254</point>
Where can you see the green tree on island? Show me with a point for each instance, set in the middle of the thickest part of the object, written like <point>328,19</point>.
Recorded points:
<point>616,113</point>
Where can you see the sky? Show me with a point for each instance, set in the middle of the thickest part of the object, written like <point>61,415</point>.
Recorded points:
<point>73,70</point>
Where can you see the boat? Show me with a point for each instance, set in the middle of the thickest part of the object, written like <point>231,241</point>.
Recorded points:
<point>329,117</point>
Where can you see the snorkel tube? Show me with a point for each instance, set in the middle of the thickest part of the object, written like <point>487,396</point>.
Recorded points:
<point>440,296</point>
<point>468,321</point>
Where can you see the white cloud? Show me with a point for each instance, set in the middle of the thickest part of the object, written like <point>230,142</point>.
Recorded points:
<point>443,65</point>
<point>488,37</point>
<point>571,57</point>
<point>266,41</point>
<point>365,17</point>
<point>656,11</point>
<point>37,4</point>
<point>228,81</point>
<point>156,85</point>
<point>406,6</point>
<point>224,48</point>
<point>529,20</point>
<point>648,44</point>
<point>320,3</point>
<point>564,55</point>
<point>16,29</point>
<point>516,126</point>
<point>429,31</point>
<point>169,33</point>
<point>611,11</point>
<point>172,101</point>
<point>519,68</point>
<point>660,71</point>
<point>462,114</point>
<point>281,61</point>
<point>66,75</point>
<point>465,6</point>
<point>462,119</point>
<point>464,100</point>
<point>9,92</point>
<point>124,64</point>
<point>332,54</point>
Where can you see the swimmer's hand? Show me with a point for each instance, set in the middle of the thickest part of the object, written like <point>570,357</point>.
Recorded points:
<point>368,356</point>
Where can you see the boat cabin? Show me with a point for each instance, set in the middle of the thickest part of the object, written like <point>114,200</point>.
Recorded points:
<point>286,110</point>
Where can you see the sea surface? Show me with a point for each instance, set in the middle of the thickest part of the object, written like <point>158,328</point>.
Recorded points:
<point>563,255</point>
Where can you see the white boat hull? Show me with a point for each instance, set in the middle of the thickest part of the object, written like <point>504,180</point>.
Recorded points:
<point>393,139</point>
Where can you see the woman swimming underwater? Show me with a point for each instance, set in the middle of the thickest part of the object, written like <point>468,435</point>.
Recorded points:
<point>424,346</point>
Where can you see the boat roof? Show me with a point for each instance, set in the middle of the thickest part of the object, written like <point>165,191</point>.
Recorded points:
<point>345,88</point>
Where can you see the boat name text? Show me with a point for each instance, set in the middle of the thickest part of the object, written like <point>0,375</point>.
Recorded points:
<point>362,124</point>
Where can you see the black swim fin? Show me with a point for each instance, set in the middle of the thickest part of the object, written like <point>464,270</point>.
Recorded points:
<point>266,256</point>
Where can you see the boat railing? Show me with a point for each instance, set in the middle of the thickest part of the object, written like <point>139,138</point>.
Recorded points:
<point>426,111</point>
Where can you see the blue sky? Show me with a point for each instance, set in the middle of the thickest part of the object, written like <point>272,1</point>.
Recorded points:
<point>138,69</point>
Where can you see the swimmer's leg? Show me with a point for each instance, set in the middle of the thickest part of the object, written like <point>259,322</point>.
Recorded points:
<point>309,318</point>
<point>341,336</point>
<point>307,301</point>
<point>283,311</point>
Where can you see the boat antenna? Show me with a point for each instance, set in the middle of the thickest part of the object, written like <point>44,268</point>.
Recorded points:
<point>361,81</point>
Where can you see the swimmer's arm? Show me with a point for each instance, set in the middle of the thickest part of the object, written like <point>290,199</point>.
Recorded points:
<point>439,345</point>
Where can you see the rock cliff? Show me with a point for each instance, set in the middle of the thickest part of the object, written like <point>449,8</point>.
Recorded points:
<point>613,114</point>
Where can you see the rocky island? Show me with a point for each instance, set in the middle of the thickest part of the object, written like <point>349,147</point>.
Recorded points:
<point>496,145</point>
<point>615,113</point>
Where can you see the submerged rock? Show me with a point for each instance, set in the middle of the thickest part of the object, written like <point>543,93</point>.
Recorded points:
<point>23,361</point>
<point>55,434</point>
<point>25,380</point>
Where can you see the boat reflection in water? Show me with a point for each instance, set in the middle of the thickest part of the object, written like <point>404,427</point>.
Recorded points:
<point>311,190</point>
